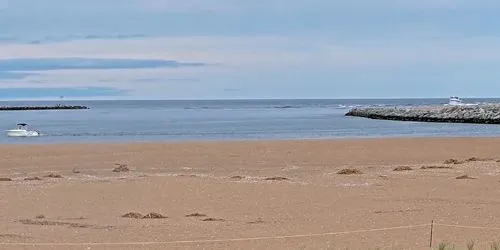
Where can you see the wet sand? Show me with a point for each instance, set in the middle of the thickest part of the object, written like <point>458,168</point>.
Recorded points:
<point>250,195</point>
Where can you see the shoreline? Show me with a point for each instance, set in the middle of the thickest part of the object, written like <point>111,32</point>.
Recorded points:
<point>249,141</point>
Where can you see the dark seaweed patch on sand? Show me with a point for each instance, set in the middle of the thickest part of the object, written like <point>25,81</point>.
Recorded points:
<point>133,215</point>
<point>277,178</point>
<point>60,223</point>
<point>452,161</point>
<point>350,171</point>
<point>136,215</point>
<point>402,168</point>
<point>36,178</point>
<point>196,215</point>
<point>435,167</point>
<point>213,219</point>
<point>52,175</point>
<point>154,215</point>
<point>121,168</point>
<point>237,177</point>
<point>465,177</point>
<point>257,221</point>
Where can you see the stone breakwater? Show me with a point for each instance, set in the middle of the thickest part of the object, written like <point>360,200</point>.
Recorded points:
<point>55,107</point>
<point>485,114</point>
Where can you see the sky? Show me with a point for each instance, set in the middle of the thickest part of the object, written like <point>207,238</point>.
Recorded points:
<point>241,49</point>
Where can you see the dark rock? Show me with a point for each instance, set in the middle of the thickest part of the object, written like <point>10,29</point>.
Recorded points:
<point>56,107</point>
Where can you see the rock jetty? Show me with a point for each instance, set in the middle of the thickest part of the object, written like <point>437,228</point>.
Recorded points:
<point>484,114</point>
<point>55,107</point>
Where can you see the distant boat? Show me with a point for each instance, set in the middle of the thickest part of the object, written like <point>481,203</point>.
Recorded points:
<point>22,130</point>
<point>455,100</point>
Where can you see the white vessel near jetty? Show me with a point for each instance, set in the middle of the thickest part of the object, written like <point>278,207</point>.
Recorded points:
<point>455,100</point>
<point>22,130</point>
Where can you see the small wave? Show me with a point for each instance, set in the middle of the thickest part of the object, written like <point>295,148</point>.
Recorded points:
<point>124,134</point>
<point>302,106</point>
<point>205,107</point>
<point>286,107</point>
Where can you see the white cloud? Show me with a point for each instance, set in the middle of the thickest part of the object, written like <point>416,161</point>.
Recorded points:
<point>298,5</point>
<point>190,5</point>
<point>447,4</point>
<point>235,54</point>
<point>51,6</point>
<point>404,53</point>
<point>96,6</point>
<point>270,51</point>
<point>262,60</point>
<point>229,51</point>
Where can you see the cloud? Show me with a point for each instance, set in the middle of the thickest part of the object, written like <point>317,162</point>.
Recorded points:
<point>106,6</point>
<point>187,6</point>
<point>63,7</point>
<point>444,4</point>
<point>301,5</point>
<point>44,64</point>
<point>14,75</point>
<point>35,39</point>
<point>39,21</point>
<point>35,93</point>
<point>260,57</point>
<point>258,51</point>
<point>407,52</point>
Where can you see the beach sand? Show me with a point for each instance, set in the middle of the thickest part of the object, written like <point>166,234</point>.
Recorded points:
<point>251,195</point>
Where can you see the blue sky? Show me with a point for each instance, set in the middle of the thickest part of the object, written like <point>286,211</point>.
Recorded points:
<point>218,49</point>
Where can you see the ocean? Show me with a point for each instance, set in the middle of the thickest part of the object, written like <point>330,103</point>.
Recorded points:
<point>145,121</point>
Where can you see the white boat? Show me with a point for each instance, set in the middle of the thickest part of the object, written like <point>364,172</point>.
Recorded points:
<point>22,130</point>
<point>455,100</point>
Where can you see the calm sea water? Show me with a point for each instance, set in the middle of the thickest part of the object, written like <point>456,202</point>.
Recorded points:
<point>121,121</point>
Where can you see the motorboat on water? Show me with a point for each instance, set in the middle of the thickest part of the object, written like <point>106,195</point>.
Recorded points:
<point>455,100</point>
<point>22,130</point>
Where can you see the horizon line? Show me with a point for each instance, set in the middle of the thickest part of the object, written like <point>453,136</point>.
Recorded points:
<point>234,99</point>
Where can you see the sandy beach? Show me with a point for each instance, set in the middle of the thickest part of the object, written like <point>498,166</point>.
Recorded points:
<point>251,194</point>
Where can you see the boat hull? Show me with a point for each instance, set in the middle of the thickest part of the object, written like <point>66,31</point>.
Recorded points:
<point>21,133</point>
